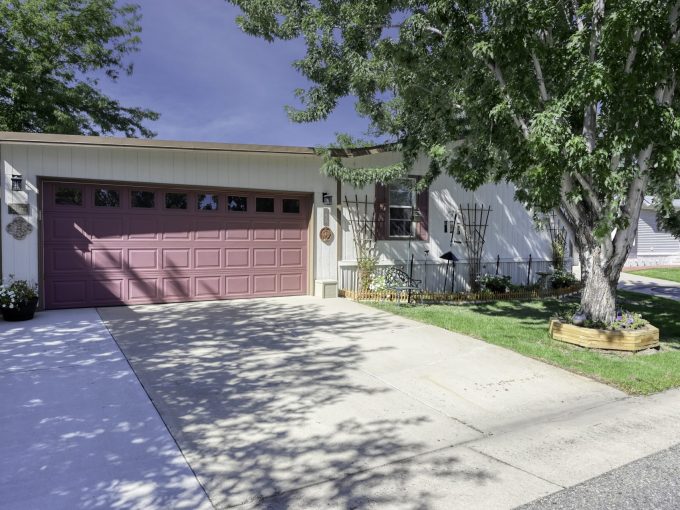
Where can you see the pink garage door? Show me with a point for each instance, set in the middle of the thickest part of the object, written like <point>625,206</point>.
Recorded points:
<point>112,245</point>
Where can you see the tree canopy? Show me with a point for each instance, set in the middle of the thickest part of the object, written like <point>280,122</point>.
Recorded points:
<point>53,54</point>
<point>572,101</point>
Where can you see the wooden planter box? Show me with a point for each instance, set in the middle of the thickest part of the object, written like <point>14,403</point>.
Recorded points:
<point>636,340</point>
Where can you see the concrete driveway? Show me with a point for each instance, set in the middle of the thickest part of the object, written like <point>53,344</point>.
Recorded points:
<point>304,403</point>
<point>652,286</point>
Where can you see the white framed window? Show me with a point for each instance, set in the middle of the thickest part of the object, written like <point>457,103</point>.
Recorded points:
<point>401,201</point>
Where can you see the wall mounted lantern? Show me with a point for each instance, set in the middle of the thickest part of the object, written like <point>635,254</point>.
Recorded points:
<point>327,199</point>
<point>17,183</point>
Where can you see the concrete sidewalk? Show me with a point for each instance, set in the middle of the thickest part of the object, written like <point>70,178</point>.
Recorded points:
<point>651,286</point>
<point>78,430</point>
<point>509,469</point>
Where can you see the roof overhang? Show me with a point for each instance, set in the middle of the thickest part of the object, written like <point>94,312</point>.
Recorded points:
<point>10,137</point>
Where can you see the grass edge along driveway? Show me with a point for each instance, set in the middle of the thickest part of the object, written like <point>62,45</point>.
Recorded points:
<point>672,274</point>
<point>522,326</point>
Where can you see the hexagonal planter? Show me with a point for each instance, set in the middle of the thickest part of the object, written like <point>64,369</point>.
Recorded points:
<point>635,340</point>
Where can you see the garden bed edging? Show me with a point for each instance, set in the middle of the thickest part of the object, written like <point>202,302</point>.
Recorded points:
<point>633,340</point>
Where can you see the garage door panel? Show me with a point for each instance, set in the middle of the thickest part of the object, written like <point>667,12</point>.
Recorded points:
<point>207,258</point>
<point>142,228</point>
<point>292,232</point>
<point>237,233</point>
<point>207,229</point>
<point>264,234</point>
<point>292,283</point>
<point>237,257</point>
<point>264,257</point>
<point>143,289</point>
<point>108,291</point>
<point>107,259</point>
<point>291,257</point>
<point>106,228</point>
<point>177,258</point>
<point>67,292</point>
<point>238,285</point>
<point>176,287</point>
<point>142,258</point>
<point>66,229</point>
<point>177,228</point>
<point>96,255</point>
<point>208,287</point>
<point>264,283</point>
<point>66,258</point>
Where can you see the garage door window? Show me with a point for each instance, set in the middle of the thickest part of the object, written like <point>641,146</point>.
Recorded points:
<point>239,204</point>
<point>143,199</point>
<point>207,202</point>
<point>68,196</point>
<point>106,198</point>
<point>263,204</point>
<point>291,205</point>
<point>176,200</point>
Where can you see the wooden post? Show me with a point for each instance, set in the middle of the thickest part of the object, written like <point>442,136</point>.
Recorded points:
<point>498,263</point>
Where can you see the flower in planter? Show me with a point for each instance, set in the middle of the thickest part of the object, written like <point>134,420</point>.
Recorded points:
<point>627,321</point>
<point>16,294</point>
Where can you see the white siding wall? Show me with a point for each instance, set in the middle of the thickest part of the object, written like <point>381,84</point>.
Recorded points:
<point>653,246</point>
<point>651,240</point>
<point>286,172</point>
<point>511,232</point>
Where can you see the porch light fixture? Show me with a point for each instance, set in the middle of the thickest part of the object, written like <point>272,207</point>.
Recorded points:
<point>17,183</point>
<point>327,199</point>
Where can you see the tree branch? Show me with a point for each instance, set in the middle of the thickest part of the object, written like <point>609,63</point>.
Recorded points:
<point>498,74</point>
<point>673,21</point>
<point>579,21</point>
<point>590,113</point>
<point>539,76</point>
<point>633,51</point>
<point>576,213</point>
<point>590,192</point>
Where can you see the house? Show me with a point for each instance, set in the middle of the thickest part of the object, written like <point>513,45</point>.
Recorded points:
<point>653,246</point>
<point>102,221</point>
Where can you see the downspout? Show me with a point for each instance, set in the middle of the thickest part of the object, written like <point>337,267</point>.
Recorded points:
<point>338,219</point>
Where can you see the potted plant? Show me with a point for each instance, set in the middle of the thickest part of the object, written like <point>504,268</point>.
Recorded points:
<point>18,300</point>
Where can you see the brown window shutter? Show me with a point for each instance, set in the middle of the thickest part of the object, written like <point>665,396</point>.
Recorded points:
<point>380,211</point>
<point>423,206</point>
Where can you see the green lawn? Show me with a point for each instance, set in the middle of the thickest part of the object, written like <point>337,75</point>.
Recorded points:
<point>671,273</point>
<point>523,327</point>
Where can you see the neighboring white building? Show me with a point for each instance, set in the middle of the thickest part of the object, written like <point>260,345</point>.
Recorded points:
<point>104,221</point>
<point>653,246</point>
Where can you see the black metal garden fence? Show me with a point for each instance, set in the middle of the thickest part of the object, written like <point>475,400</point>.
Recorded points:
<point>438,276</point>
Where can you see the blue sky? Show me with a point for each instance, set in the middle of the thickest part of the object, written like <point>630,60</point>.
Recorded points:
<point>212,82</point>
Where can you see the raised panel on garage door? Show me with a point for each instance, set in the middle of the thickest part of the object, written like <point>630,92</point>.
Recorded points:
<point>136,244</point>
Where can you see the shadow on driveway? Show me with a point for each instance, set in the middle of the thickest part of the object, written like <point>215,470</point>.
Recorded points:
<point>267,396</point>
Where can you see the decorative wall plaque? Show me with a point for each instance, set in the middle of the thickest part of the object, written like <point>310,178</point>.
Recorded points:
<point>21,209</point>
<point>326,234</point>
<point>19,228</point>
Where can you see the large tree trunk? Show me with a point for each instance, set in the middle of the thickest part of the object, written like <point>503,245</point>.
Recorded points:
<point>598,299</point>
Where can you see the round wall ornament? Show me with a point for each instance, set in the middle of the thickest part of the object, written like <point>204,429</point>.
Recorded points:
<point>326,234</point>
<point>19,228</point>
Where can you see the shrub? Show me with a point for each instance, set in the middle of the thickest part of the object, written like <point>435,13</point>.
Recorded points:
<point>378,282</point>
<point>498,284</point>
<point>561,279</point>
